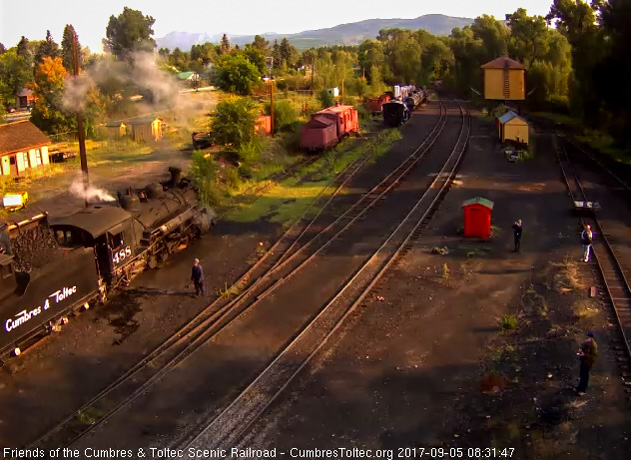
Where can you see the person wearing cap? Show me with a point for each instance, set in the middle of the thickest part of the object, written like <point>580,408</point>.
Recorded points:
<point>587,238</point>
<point>517,234</point>
<point>197,277</point>
<point>587,354</point>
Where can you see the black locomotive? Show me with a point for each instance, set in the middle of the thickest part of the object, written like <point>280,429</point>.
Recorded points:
<point>395,113</point>
<point>88,254</point>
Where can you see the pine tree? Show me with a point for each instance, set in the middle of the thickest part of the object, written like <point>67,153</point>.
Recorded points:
<point>47,48</point>
<point>2,49</point>
<point>67,55</point>
<point>224,46</point>
<point>23,47</point>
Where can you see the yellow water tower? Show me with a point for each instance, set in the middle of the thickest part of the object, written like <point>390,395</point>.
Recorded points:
<point>504,80</point>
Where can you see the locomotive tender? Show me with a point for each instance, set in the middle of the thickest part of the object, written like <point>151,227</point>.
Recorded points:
<point>96,250</point>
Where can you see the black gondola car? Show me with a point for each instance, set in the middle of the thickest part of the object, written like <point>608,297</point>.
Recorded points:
<point>395,113</point>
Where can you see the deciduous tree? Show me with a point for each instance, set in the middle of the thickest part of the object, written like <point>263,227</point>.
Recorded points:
<point>234,73</point>
<point>130,31</point>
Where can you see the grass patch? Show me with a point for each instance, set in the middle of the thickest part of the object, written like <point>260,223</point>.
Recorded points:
<point>287,200</point>
<point>507,322</point>
<point>566,277</point>
<point>474,250</point>
<point>89,416</point>
<point>559,118</point>
<point>606,145</point>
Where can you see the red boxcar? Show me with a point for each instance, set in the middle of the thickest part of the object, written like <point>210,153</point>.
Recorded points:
<point>345,117</point>
<point>373,104</point>
<point>327,127</point>
<point>319,133</point>
<point>263,123</point>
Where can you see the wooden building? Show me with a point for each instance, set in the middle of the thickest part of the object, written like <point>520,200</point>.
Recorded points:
<point>504,80</point>
<point>23,147</point>
<point>512,127</point>
<point>146,129</point>
<point>116,129</point>
<point>24,98</point>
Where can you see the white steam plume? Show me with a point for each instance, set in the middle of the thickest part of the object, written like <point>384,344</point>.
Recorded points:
<point>139,70</point>
<point>91,194</point>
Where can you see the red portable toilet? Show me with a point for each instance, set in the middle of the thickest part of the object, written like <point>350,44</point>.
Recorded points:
<point>477,217</point>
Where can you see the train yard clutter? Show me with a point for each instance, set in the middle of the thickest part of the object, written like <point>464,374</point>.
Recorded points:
<point>504,80</point>
<point>512,128</point>
<point>23,147</point>
<point>477,218</point>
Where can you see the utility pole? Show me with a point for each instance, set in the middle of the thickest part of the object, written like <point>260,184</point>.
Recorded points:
<point>312,72</point>
<point>80,131</point>
<point>342,91</point>
<point>271,107</point>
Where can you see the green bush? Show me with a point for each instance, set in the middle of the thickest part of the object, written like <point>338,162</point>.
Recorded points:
<point>231,177</point>
<point>250,151</point>
<point>245,171</point>
<point>363,113</point>
<point>284,115</point>
<point>326,99</point>
<point>233,122</point>
<point>203,172</point>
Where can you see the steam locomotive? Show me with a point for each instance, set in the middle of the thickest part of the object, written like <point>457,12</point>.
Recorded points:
<point>49,267</point>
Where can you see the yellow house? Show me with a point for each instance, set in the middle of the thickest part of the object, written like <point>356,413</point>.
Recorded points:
<point>504,80</point>
<point>116,129</point>
<point>23,147</point>
<point>145,129</point>
<point>513,128</point>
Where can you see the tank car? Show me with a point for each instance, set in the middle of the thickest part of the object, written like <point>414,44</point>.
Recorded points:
<point>395,113</point>
<point>51,266</point>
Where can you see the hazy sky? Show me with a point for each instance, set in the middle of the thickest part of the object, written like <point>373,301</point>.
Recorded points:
<point>243,17</point>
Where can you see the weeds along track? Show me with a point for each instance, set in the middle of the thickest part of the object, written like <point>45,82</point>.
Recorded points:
<point>225,430</point>
<point>274,268</point>
<point>610,267</point>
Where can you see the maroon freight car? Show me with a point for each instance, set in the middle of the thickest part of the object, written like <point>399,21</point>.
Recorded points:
<point>327,127</point>
<point>318,134</point>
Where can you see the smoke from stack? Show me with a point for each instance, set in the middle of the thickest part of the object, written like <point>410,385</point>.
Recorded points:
<point>91,194</point>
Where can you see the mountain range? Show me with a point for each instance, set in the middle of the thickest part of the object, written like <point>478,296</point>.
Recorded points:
<point>344,34</point>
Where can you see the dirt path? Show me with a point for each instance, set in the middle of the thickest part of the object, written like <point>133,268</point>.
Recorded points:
<point>408,369</point>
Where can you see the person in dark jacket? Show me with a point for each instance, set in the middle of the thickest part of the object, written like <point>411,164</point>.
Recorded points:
<point>517,228</point>
<point>197,277</point>
<point>587,238</point>
<point>587,354</point>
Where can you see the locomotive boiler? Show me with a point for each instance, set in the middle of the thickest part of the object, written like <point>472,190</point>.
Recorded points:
<point>88,254</point>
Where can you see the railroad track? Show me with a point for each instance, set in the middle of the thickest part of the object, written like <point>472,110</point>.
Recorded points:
<point>224,430</point>
<point>285,257</point>
<point>609,268</point>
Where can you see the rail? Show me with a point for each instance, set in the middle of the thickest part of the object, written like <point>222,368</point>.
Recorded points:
<point>235,420</point>
<point>218,314</point>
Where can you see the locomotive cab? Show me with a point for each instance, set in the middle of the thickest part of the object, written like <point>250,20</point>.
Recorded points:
<point>108,230</point>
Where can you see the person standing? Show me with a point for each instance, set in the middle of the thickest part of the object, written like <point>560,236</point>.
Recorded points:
<point>197,277</point>
<point>517,228</point>
<point>587,238</point>
<point>587,354</point>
